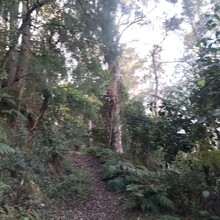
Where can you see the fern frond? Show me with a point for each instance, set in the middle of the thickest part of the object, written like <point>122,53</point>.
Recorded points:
<point>33,215</point>
<point>149,205</point>
<point>117,184</point>
<point>8,97</point>
<point>5,149</point>
<point>130,203</point>
<point>103,152</point>
<point>165,201</point>
<point>110,171</point>
<point>127,167</point>
<point>154,189</point>
<point>3,187</point>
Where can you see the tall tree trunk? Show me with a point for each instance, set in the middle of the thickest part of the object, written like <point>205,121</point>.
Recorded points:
<point>11,57</point>
<point>19,75</point>
<point>156,84</point>
<point>90,139</point>
<point>116,127</point>
<point>156,65</point>
<point>17,62</point>
<point>110,48</point>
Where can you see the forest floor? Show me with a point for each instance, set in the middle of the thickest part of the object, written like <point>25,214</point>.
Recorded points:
<point>100,204</point>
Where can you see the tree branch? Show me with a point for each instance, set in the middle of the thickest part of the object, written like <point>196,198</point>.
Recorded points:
<point>37,4</point>
<point>81,5</point>
<point>135,21</point>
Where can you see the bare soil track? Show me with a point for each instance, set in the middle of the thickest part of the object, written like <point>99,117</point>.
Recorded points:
<point>100,204</point>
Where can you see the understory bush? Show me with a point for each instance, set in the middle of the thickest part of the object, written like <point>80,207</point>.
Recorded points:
<point>186,181</point>
<point>181,188</point>
<point>67,187</point>
<point>148,190</point>
<point>145,188</point>
<point>19,213</point>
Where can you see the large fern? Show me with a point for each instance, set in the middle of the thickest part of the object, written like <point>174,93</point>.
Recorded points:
<point>103,153</point>
<point>18,212</point>
<point>148,189</point>
<point>3,187</point>
<point>117,184</point>
<point>5,149</point>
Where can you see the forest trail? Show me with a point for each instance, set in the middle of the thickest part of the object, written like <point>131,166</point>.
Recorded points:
<point>100,204</point>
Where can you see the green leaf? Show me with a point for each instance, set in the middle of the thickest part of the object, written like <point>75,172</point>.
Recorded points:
<point>217,17</point>
<point>130,203</point>
<point>164,201</point>
<point>216,112</point>
<point>117,185</point>
<point>201,119</point>
<point>3,186</point>
<point>217,8</point>
<point>148,204</point>
<point>25,218</point>
<point>201,83</point>
<point>153,188</point>
<point>5,149</point>
<point>139,194</point>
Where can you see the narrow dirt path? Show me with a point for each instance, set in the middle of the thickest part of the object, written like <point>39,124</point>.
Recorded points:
<point>100,204</point>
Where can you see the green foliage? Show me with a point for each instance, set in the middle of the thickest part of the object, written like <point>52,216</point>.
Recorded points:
<point>3,189</point>
<point>73,185</point>
<point>104,153</point>
<point>204,97</point>
<point>149,190</point>
<point>138,130</point>
<point>186,181</point>
<point>168,217</point>
<point>19,213</point>
<point>117,184</point>
<point>4,140</point>
<point>111,169</point>
<point>146,189</point>
<point>5,149</point>
<point>211,159</point>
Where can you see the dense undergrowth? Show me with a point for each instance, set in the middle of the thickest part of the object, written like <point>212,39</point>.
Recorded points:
<point>34,173</point>
<point>28,198</point>
<point>180,190</point>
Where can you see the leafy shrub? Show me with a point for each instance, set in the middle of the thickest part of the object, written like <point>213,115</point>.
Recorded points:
<point>113,173</point>
<point>138,131</point>
<point>168,217</point>
<point>104,153</point>
<point>74,185</point>
<point>19,213</point>
<point>148,190</point>
<point>186,181</point>
<point>117,184</point>
<point>111,169</point>
<point>5,149</point>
